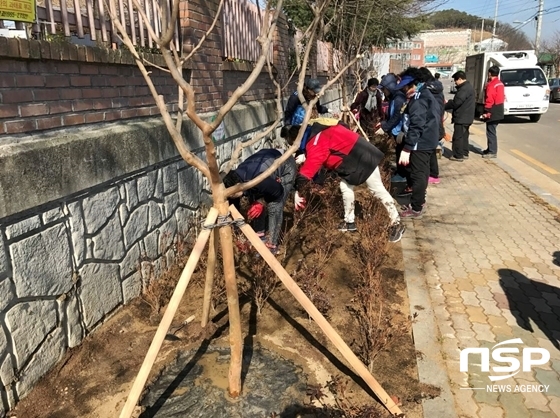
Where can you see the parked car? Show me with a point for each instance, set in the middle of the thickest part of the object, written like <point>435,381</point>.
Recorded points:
<point>554,84</point>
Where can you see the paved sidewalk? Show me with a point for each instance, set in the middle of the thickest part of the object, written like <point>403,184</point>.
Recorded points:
<point>488,252</point>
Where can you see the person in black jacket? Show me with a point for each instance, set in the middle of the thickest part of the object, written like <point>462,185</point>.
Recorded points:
<point>436,88</point>
<point>462,107</point>
<point>422,127</point>
<point>274,190</point>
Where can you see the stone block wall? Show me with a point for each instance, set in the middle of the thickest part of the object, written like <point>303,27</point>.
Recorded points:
<point>64,268</point>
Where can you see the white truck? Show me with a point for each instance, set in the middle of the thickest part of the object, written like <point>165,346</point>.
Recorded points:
<point>525,84</point>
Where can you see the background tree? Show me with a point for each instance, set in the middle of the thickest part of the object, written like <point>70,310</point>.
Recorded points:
<point>451,19</point>
<point>552,46</point>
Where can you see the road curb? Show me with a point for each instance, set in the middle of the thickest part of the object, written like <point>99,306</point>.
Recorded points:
<point>536,189</point>
<point>431,365</point>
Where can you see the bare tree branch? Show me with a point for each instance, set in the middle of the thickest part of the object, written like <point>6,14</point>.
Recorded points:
<point>265,46</point>
<point>203,39</point>
<point>277,163</point>
<point>176,136</point>
<point>259,136</point>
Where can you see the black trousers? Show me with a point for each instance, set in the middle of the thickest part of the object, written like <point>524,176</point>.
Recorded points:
<point>460,144</point>
<point>401,169</point>
<point>419,172</point>
<point>434,166</point>
<point>492,137</point>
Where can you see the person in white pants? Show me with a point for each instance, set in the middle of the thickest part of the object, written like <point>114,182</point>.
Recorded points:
<point>376,187</point>
<point>329,144</point>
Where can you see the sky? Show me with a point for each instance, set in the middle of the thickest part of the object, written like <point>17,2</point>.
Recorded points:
<point>510,11</point>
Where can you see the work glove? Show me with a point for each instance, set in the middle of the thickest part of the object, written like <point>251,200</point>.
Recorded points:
<point>300,159</point>
<point>255,210</point>
<point>485,116</point>
<point>404,158</point>
<point>299,202</point>
<point>400,138</point>
<point>329,110</point>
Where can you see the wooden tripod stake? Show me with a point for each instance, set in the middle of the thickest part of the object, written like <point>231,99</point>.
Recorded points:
<point>165,323</point>
<point>210,273</point>
<point>329,331</point>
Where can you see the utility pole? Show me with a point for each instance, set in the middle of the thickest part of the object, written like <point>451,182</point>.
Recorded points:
<point>481,36</point>
<point>539,27</point>
<point>494,28</point>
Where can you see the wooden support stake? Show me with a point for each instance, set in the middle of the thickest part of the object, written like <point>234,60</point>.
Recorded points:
<point>210,272</point>
<point>358,125</point>
<point>329,331</point>
<point>163,327</point>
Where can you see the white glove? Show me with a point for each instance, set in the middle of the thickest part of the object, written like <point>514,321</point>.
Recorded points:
<point>300,159</point>
<point>404,158</point>
<point>299,202</point>
<point>329,110</point>
<point>379,132</point>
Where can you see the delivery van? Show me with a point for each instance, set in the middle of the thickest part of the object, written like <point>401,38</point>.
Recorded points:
<point>526,87</point>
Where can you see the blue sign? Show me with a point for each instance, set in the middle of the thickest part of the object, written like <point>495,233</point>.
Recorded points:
<point>431,59</point>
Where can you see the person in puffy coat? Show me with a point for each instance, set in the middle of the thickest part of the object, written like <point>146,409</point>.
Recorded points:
<point>273,190</point>
<point>354,159</point>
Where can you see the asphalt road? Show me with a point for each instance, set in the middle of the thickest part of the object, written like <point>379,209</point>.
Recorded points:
<point>535,144</point>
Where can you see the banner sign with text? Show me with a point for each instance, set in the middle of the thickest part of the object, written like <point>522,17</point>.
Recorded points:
<point>18,10</point>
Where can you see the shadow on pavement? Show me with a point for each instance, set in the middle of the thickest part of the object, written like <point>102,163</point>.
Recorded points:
<point>556,258</point>
<point>530,300</point>
<point>515,120</point>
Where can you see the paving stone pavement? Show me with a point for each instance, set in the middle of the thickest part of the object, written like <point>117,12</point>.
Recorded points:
<point>488,250</point>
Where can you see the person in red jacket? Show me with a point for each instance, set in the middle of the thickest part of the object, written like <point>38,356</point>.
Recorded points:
<point>355,160</point>
<point>493,111</point>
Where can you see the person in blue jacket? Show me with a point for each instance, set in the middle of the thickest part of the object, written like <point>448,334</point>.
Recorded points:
<point>273,191</point>
<point>294,112</point>
<point>393,125</point>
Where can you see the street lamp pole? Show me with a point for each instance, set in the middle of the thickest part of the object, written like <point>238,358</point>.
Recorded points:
<point>539,26</point>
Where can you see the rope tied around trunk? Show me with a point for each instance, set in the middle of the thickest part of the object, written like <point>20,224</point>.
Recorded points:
<point>224,220</point>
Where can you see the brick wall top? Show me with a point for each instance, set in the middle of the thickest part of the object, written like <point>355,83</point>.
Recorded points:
<point>45,50</point>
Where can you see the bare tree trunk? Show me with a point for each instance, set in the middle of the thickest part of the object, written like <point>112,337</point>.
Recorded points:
<point>235,340</point>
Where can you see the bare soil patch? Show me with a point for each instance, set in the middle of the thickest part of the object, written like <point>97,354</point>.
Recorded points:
<point>94,379</point>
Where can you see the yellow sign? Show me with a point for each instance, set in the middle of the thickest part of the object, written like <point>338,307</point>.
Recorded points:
<point>18,10</point>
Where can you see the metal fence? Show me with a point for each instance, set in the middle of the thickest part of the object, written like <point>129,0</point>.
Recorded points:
<point>242,22</point>
<point>90,19</point>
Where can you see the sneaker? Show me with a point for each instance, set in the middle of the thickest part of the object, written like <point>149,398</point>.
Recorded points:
<point>459,160</point>
<point>396,232</point>
<point>398,179</point>
<point>347,227</point>
<point>409,213</point>
<point>486,151</point>
<point>465,157</point>
<point>433,180</point>
<point>489,155</point>
<point>407,191</point>
<point>272,248</point>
